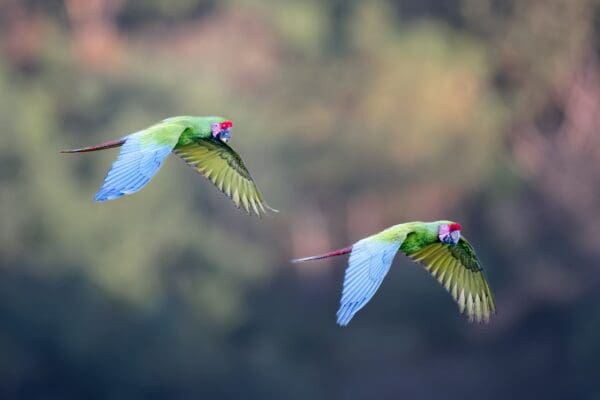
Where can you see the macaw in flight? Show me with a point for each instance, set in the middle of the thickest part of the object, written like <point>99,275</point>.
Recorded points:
<point>200,141</point>
<point>437,245</point>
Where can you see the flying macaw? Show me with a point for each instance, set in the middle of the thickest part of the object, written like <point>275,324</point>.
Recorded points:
<point>437,245</point>
<point>200,141</point>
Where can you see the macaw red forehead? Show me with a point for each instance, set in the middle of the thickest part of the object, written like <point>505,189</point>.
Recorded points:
<point>454,227</point>
<point>225,124</point>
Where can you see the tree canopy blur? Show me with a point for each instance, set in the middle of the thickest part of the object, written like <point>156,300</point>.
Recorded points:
<point>352,116</point>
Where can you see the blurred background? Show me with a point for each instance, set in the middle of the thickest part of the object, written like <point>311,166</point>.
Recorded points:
<point>352,116</point>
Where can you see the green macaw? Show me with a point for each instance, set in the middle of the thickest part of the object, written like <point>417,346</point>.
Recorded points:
<point>437,245</point>
<point>200,141</point>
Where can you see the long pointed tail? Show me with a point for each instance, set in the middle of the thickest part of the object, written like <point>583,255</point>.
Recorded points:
<point>103,146</point>
<point>334,253</point>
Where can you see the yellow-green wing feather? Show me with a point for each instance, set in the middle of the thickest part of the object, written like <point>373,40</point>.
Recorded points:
<point>223,166</point>
<point>458,269</point>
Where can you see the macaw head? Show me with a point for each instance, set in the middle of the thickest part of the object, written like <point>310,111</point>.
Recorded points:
<point>449,233</point>
<point>221,130</point>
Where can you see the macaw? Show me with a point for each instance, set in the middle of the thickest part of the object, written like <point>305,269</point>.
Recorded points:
<point>200,141</point>
<point>437,245</point>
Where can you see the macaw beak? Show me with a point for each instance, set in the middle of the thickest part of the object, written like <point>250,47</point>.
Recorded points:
<point>448,237</point>
<point>225,135</point>
<point>455,237</point>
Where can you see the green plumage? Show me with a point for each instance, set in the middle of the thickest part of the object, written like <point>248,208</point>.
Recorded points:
<point>200,141</point>
<point>456,267</point>
<point>195,128</point>
<point>438,246</point>
<point>215,160</point>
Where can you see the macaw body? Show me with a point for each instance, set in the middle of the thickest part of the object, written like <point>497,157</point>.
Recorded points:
<point>200,141</point>
<point>437,245</point>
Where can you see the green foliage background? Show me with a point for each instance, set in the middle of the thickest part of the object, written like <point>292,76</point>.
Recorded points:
<point>352,116</point>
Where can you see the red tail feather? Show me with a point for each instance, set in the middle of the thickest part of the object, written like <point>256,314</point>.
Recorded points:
<point>103,146</point>
<point>334,253</point>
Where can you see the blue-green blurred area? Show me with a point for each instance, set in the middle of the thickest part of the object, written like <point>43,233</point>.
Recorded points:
<point>352,116</point>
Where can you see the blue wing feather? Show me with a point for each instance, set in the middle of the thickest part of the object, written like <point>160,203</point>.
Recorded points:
<point>136,165</point>
<point>369,263</point>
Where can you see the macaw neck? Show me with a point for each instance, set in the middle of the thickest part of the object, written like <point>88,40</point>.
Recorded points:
<point>424,228</point>
<point>398,233</point>
<point>427,231</point>
<point>196,127</point>
<point>420,234</point>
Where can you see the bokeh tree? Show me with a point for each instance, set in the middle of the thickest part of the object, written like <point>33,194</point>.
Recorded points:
<point>352,116</point>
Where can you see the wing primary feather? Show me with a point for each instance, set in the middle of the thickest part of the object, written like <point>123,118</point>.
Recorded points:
<point>449,276</point>
<point>458,270</point>
<point>440,266</point>
<point>486,310</point>
<point>462,301</point>
<point>254,207</point>
<point>245,202</point>
<point>225,169</point>
<point>470,307</point>
<point>443,272</point>
<point>460,279</point>
<point>478,313</point>
<point>222,177</point>
<point>435,260</point>
<point>236,197</point>
<point>455,289</point>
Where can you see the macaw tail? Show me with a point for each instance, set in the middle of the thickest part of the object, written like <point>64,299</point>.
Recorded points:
<point>103,146</point>
<point>334,253</point>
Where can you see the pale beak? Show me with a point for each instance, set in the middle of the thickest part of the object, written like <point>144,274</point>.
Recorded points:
<point>455,237</point>
<point>225,135</point>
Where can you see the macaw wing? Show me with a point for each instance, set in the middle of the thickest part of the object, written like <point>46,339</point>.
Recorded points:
<point>141,156</point>
<point>223,166</point>
<point>369,262</point>
<point>458,269</point>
